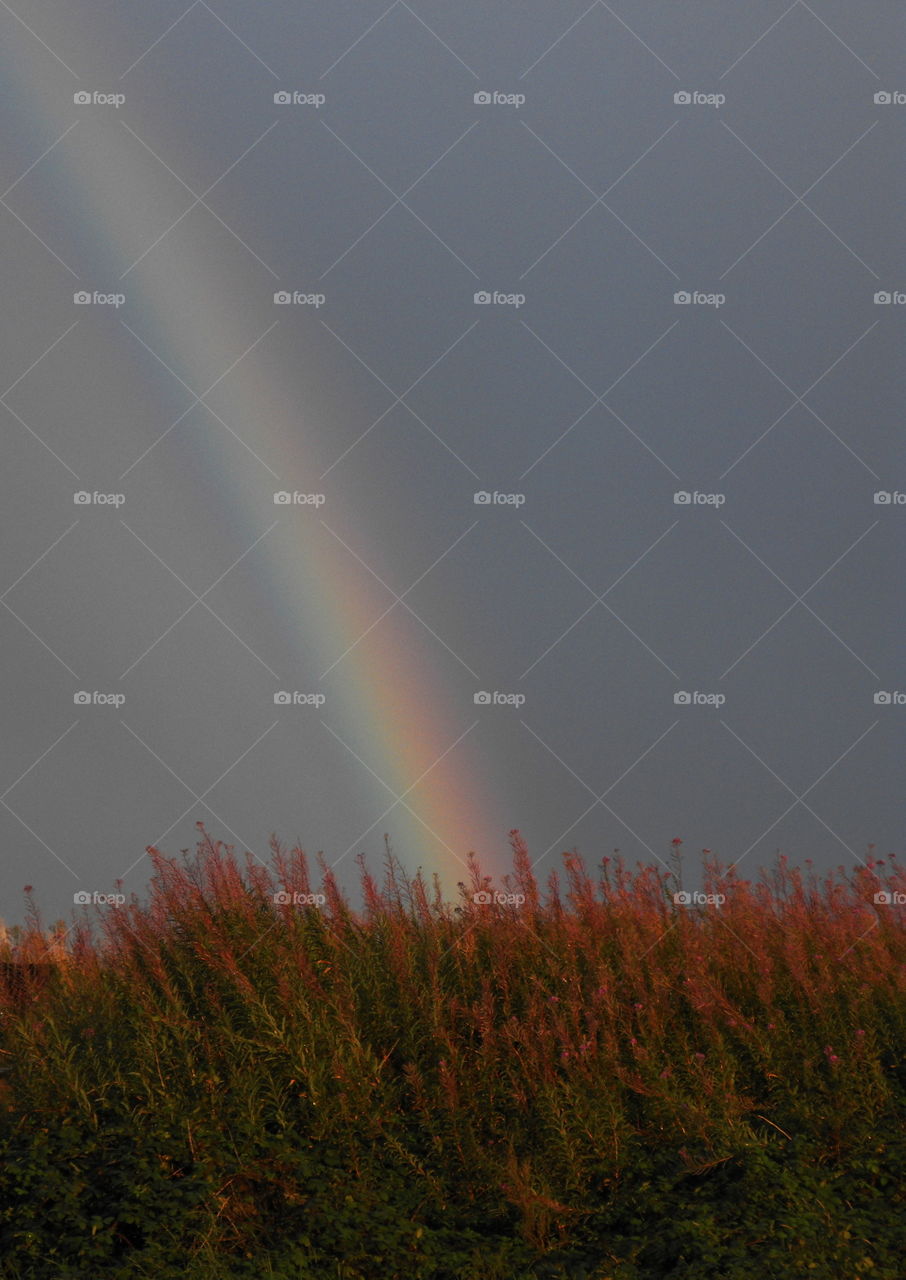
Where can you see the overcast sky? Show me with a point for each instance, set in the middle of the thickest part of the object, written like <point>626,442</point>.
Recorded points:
<point>686,218</point>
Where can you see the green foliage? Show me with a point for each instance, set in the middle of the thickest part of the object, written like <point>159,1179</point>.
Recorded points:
<point>610,1088</point>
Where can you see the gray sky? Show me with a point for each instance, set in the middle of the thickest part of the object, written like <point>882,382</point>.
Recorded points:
<point>630,153</point>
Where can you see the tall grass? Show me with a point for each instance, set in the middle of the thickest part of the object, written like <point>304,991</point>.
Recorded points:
<point>216,1079</point>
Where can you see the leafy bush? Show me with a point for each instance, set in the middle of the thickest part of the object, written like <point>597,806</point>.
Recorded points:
<point>600,1083</point>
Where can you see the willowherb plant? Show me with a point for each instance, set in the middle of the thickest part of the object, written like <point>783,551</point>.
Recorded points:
<point>521,1058</point>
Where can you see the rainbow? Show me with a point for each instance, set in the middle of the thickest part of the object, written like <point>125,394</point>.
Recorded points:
<point>392,703</point>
